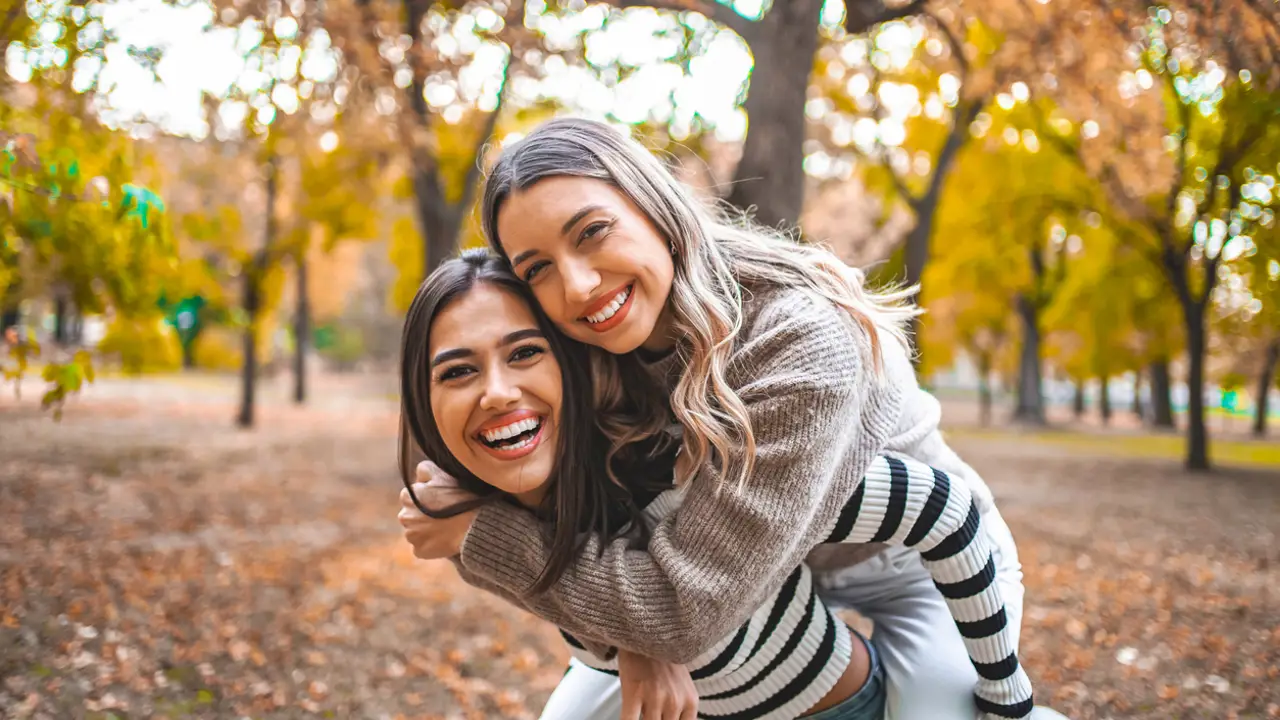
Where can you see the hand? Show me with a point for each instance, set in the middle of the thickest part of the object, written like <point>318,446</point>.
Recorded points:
<point>434,539</point>
<point>655,690</point>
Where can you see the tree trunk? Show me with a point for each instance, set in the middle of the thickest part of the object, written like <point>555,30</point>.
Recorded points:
<point>1077,402</point>
<point>253,276</point>
<point>440,220</point>
<point>1104,399</point>
<point>1197,433</point>
<point>770,177</point>
<point>189,355</point>
<point>61,314</point>
<point>1138,410</point>
<point>301,332</point>
<point>925,208</point>
<point>984,389</point>
<point>1264,388</point>
<point>1030,408</point>
<point>249,367</point>
<point>1161,395</point>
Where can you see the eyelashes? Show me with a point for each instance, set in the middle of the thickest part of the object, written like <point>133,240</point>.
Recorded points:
<point>522,354</point>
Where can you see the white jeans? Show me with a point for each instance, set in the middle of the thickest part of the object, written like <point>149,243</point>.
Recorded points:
<point>929,673</point>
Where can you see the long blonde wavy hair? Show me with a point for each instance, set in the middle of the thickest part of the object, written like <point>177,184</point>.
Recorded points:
<point>718,255</point>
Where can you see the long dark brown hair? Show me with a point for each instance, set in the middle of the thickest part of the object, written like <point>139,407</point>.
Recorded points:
<point>582,500</point>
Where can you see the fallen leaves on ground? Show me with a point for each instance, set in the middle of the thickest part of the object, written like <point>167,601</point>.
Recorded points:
<point>156,562</point>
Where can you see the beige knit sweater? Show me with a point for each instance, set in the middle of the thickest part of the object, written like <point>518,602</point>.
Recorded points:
<point>820,415</point>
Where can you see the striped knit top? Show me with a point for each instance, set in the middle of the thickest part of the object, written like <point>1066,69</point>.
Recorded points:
<point>821,416</point>
<point>793,649</point>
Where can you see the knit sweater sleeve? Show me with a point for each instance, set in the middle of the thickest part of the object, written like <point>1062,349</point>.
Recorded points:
<point>799,370</point>
<point>905,502</point>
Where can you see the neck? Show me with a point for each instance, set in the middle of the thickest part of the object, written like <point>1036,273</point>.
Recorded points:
<point>663,337</point>
<point>532,499</point>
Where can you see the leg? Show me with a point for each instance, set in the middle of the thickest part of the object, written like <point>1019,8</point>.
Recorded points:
<point>584,694</point>
<point>930,676</point>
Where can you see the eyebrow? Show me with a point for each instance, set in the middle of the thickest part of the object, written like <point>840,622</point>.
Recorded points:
<point>577,217</point>
<point>516,336</point>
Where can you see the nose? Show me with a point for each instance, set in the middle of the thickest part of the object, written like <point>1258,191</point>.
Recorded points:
<point>500,392</point>
<point>580,281</point>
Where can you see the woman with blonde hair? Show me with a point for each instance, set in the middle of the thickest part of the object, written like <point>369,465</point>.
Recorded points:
<point>785,378</point>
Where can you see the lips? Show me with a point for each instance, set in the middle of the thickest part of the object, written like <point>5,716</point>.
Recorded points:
<point>611,310</point>
<point>512,435</point>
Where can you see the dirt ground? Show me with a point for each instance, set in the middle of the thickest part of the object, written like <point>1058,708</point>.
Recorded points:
<point>157,562</point>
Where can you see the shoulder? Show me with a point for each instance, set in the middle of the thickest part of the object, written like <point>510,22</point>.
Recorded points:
<point>798,335</point>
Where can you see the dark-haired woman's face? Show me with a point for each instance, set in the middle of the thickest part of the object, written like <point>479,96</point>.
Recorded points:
<point>496,391</point>
<point>599,268</point>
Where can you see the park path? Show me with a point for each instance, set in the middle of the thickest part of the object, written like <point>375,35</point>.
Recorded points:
<point>156,562</point>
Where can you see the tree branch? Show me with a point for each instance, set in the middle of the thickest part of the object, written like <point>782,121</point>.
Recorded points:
<point>1180,164</point>
<point>962,117</point>
<point>472,182</point>
<point>1211,263</point>
<point>862,15</point>
<point>957,47</point>
<point>722,14</point>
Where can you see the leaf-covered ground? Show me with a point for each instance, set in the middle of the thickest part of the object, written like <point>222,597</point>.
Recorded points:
<point>156,562</point>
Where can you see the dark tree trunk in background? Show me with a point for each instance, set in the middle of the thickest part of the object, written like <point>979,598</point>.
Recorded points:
<point>1161,395</point>
<point>301,332</point>
<point>1030,407</point>
<point>1104,399</point>
<point>439,220</point>
<point>925,208</point>
<point>1197,433</point>
<point>253,277</point>
<point>1264,388</point>
<point>770,177</point>
<point>9,318</point>
<point>1077,400</point>
<point>61,320</point>
<point>984,389</point>
<point>1138,409</point>
<point>249,367</point>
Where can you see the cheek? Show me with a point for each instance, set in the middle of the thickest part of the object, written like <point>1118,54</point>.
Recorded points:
<point>451,418</point>
<point>550,297</point>
<point>552,389</point>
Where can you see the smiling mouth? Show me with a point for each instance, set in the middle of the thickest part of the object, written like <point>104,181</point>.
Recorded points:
<point>613,311</point>
<point>519,435</point>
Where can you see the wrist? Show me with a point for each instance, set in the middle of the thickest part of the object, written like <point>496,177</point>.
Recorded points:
<point>464,523</point>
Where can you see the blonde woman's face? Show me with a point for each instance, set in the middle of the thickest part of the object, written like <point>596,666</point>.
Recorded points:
<point>598,266</point>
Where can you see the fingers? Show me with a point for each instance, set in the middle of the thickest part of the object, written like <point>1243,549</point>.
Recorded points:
<point>429,473</point>
<point>689,710</point>
<point>631,705</point>
<point>433,496</point>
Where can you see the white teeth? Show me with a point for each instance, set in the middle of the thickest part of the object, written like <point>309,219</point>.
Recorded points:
<point>509,431</point>
<point>611,309</point>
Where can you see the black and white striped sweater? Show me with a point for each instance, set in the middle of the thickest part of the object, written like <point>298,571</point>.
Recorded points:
<point>821,412</point>
<point>792,650</point>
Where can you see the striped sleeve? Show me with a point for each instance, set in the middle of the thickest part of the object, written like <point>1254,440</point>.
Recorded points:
<point>903,502</point>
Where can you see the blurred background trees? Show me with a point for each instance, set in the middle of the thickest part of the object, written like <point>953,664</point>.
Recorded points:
<point>1084,192</point>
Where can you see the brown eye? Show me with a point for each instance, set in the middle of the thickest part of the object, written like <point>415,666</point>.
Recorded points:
<point>595,229</point>
<point>456,372</point>
<point>534,270</point>
<point>526,352</point>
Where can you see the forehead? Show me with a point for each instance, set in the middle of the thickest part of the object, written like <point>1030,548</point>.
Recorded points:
<point>552,199</point>
<point>479,319</point>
